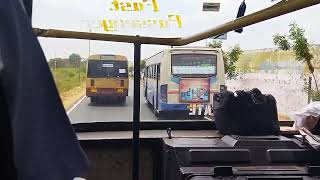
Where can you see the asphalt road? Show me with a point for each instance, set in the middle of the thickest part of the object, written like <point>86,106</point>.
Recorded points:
<point>110,110</point>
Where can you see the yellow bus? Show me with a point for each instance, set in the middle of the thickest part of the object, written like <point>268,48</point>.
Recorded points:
<point>107,77</point>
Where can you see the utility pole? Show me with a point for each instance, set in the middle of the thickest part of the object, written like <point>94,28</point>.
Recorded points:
<point>79,64</point>
<point>89,42</point>
<point>90,27</point>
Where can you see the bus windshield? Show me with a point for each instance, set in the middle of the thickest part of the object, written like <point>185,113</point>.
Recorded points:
<point>101,69</point>
<point>195,64</point>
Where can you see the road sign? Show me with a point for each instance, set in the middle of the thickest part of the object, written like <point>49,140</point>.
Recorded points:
<point>211,5</point>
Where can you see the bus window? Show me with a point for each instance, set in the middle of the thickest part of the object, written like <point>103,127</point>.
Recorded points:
<point>158,71</point>
<point>201,64</point>
<point>101,69</point>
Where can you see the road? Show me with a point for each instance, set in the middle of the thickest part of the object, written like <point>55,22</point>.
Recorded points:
<point>86,112</point>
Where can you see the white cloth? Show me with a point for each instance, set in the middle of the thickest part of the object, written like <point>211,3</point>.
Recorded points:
<point>307,116</point>
<point>312,139</point>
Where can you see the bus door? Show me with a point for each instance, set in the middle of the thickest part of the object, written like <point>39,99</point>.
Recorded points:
<point>157,90</point>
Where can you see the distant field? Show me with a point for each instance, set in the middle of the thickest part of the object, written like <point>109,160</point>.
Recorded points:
<point>273,60</point>
<point>277,73</point>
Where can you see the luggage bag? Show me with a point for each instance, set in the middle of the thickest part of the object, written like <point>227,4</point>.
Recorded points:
<point>246,113</point>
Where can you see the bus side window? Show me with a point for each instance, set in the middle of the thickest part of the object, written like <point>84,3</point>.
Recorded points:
<point>152,71</point>
<point>158,71</point>
<point>148,71</point>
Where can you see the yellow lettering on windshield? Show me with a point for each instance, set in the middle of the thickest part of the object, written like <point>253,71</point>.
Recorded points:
<point>111,25</point>
<point>133,6</point>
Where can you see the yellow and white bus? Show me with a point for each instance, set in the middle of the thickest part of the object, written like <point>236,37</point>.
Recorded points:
<point>107,76</point>
<point>178,77</point>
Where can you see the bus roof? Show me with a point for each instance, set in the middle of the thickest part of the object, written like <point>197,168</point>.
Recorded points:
<point>187,48</point>
<point>192,48</point>
<point>110,57</point>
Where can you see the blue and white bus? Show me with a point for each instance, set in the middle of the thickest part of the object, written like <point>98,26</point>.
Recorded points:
<point>182,77</point>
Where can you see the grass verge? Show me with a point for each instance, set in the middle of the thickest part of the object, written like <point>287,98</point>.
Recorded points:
<point>70,84</point>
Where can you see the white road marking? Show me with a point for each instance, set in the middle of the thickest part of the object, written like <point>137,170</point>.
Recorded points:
<point>74,106</point>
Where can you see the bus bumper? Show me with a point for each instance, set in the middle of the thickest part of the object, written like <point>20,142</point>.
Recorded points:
<point>180,107</point>
<point>173,107</point>
<point>116,92</point>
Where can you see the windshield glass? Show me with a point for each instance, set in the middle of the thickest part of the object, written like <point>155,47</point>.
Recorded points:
<point>177,83</point>
<point>102,69</point>
<point>193,64</point>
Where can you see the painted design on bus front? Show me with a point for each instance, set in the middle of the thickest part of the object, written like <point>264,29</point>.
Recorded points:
<point>194,90</point>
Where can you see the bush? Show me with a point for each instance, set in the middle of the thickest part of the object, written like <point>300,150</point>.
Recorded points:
<point>315,96</point>
<point>68,78</point>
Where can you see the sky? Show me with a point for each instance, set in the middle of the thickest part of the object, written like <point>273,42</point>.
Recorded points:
<point>83,15</point>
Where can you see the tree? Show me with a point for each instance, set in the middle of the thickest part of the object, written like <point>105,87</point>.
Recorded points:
<point>229,58</point>
<point>130,69</point>
<point>142,65</point>
<point>75,59</point>
<point>297,41</point>
<point>215,44</point>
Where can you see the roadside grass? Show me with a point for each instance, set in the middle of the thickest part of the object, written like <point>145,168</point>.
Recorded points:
<point>68,84</point>
<point>67,78</point>
<point>283,117</point>
<point>69,98</point>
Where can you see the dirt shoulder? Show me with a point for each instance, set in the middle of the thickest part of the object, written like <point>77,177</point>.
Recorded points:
<point>70,97</point>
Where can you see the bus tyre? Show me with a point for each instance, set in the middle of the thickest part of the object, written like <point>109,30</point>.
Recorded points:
<point>122,100</point>
<point>155,111</point>
<point>93,99</point>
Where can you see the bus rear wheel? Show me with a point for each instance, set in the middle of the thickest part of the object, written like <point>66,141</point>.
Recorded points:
<point>122,100</point>
<point>155,111</point>
<point>93,99</point>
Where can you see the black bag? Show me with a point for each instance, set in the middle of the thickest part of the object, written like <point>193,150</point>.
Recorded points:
<point>246,113</point>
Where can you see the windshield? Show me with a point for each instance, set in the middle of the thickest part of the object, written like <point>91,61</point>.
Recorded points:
<point>102,69</point>
<point>187,64</point>
<point>177,83</point>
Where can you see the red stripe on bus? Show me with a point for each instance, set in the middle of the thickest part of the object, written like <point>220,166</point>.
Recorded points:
<point>173,92</point>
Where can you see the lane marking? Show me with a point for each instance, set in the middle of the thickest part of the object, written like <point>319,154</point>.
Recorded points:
<point>75,105</point>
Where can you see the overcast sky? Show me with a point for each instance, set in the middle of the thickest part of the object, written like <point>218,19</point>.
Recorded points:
<point>77,14</point>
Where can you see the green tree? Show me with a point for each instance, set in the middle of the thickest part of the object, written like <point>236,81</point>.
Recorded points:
<point>229,58</point>
<point>297,41</point>
<point>74,59</point>
<point>130,69</point>
<point>215,44</point>
<point>142,65</point>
